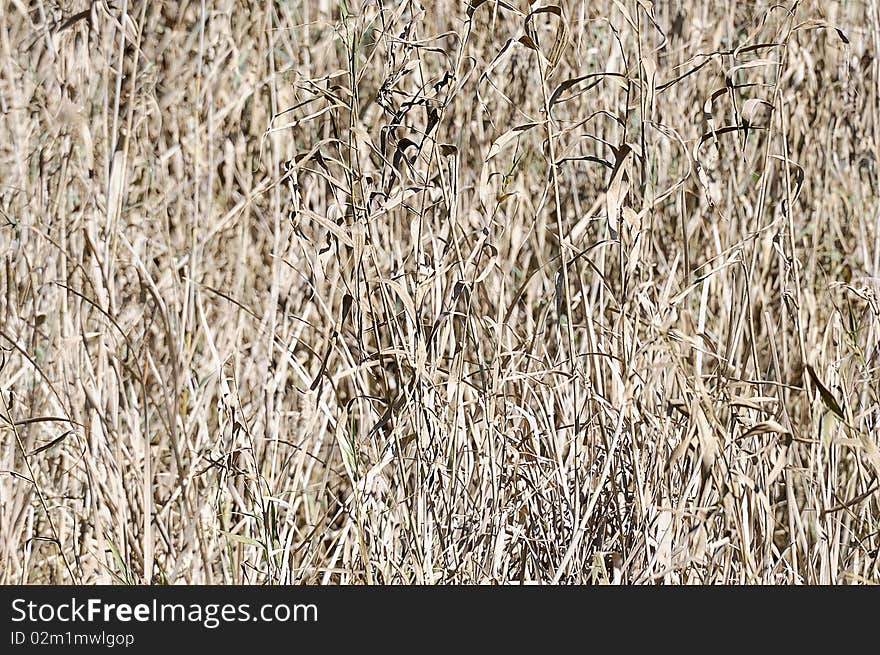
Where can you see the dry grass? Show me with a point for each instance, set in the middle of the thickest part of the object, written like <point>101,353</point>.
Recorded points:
<point>346,292</point>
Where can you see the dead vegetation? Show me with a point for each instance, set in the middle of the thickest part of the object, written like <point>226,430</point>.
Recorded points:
<point>343,291</point>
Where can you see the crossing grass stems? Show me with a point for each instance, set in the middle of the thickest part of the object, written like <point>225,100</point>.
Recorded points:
<point>440,292</point>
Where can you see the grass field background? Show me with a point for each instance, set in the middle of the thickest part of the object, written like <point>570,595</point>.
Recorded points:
<point>402,292</point>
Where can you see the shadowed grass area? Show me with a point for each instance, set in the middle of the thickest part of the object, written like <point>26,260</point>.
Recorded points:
<point>354,291</point>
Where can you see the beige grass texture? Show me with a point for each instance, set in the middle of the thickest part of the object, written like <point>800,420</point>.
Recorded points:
<point>387,291</point>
